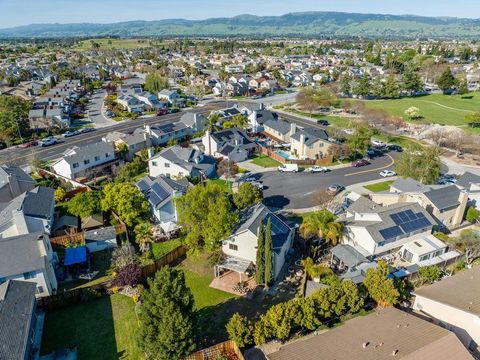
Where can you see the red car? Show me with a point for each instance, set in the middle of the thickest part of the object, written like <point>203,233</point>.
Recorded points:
<point>30,144</point>
<point>161,112</point>
<point>361,163</point>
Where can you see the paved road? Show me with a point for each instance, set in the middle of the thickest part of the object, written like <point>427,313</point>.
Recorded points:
<point>297,191</point>
<point>94,110</point>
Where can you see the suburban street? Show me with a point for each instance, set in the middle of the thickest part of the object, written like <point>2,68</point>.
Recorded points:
<point>296,191</point>
<point>94,110</point>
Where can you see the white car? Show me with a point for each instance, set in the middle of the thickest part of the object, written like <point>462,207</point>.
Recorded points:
<point>318,169</point>
<point>349,131</point>
<point>258,184</point>
<point>48,141</point>
<point>378,143</point>
<point>388,173</point>
<point>288,168</point>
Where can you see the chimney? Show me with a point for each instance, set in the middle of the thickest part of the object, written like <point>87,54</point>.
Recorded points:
<point>293,128</point>
<point>394,352</point>
<point>150,152</point>
<point>365,344</point>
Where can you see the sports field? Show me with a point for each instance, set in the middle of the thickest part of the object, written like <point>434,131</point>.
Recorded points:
<point>435,108</point>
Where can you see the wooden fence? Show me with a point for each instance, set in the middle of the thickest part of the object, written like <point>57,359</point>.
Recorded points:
<point>165,260</point>
<point>68,240</point>
<point>323,161</point>
<point>228,348</point>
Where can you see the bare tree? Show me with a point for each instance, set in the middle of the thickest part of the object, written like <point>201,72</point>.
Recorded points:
<point>323,199</point>
<point>469,242</point>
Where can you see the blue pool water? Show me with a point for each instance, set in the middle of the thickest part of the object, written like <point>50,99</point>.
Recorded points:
<point>284,154</point>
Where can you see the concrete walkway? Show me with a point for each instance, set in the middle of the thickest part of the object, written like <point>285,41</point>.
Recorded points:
<point>457,168</point>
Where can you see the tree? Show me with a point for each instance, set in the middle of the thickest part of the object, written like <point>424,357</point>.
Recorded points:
<point>126,201</point>
<point>345,85</point>
<point>260,256</point>
<point>469,242</point>
<point>155,83</point>
<point>166,320</point>
<point>413,113</point>
<point>240,330</point>
<point>411,80</point>
<point>269,271</point>
<point>420,163</point>
<point>472,215</point>
<point>130,170</point>
<point>60,194</point>
<point>129,275</point>
<point>143,235</point>
<point>227,168</point>
<point>430,274</point>
<point>446,81</point>
<point>13,117</point>
<point>359,141</point>
<point>463,87</point>
<point>85,204</point>
<point>381,289</point>
<point>362,87</point>
<point>323,224</point>
<point>391,87</point>
<point>247,195</point>
<point>206,215</point>
<point>124,255</point>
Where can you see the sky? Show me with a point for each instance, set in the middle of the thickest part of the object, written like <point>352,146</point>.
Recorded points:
<point>23,12</point>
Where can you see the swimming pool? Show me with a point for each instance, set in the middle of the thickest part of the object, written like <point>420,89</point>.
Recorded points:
<point>283,154</point>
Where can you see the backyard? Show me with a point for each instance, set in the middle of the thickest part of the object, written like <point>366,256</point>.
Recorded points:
<point>264,161</point>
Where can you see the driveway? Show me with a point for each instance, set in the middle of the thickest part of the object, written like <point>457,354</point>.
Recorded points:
<point>296,191</point>
<point>94,110</point>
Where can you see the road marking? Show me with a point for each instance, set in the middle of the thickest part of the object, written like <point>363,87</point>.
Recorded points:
<point>376,169</point>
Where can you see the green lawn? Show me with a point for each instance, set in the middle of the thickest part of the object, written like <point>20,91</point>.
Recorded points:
<point>339,121</point>
<point>114,44</point>
<point>378,187</point>
<point>264,161</point>
<point>435,108</point>
<point>101,329</point>
<point>162,248</point>
<point>224,184</point>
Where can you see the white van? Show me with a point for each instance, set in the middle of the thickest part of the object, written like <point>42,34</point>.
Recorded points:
<point>288,168</point>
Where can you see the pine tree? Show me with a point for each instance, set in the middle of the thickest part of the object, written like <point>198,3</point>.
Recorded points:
<point>391,88</point>
<point>166,328</point>
<point>260,265</point>
<point>268,253</point>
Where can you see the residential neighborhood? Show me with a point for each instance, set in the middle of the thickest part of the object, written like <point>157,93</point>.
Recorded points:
<point>228,189</point>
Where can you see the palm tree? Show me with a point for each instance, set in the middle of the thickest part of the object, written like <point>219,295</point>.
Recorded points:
<point>143,235</point>
<point>240,121</point>
<point>212,122</point>
<point>323,224</point>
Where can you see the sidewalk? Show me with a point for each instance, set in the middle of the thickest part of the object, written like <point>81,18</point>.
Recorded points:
<point>249,166</point>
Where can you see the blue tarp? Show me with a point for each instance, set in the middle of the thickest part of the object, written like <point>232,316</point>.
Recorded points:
<point>76,255</point>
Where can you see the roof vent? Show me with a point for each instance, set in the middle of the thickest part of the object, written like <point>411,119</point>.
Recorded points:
<point>399,326</point>
<point>394,352</point>
<point>365,344</point>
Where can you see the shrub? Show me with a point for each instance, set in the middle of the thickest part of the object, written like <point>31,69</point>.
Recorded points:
<point>472,215</point>
<point>130,275</point>
<point>430,274</point>
<point>240,330</point>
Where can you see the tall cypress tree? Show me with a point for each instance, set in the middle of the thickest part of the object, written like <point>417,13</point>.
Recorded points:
<point>260,266</point>
<point>268,253</point>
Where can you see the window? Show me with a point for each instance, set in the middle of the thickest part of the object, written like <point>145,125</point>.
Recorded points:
<point>97,158</point>
<point>2,280</point>
<point>167,165</point>
<point>75,165</point>
<point>86,162</point>
<point>233,247</point>
<point>154,163</point>
<point>107,155</point>
<point>29,275</point>
<point>39,289</point>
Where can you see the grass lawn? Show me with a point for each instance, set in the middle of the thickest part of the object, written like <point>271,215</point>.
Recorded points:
<point>378,187</point>
<point>101,329</point>
<point>339,121</point>
<point>224,184</point>
<point>114,44</point>
<point>162,248</point>
<point>264,161</point>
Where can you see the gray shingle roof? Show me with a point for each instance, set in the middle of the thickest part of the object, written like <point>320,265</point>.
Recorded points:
<point>186,157</point>
<point>282,127</point>
<point>467,179</point>
<point>17,305</point>
<point>85,152</point>
<point>39,202</point>
<point>20,254</point>
<point>312,135</point>
<point>14,171</point>
<point>444,197</point>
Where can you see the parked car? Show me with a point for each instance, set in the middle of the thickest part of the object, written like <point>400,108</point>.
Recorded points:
<point>360,163</point>
<point>372,153</point>
<point>323,122</point>
<point>86,130</point>
<point>161,112</point>
<point>378,143</point>
<point>30,144</point>
<point>387,173</point>
<point>393,147</point>
<point>258,184</point>
<point>174,110</point>
<point>68,134</point>
<point>349,131</point>
<point>334,189</point>
<point>48,141</point>
<point>447,179</point>
<point>343,206</point>
<point>288,168</point>
<point>318,169</point>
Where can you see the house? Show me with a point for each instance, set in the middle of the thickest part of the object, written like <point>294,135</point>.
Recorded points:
<point>178,162</point>
<point>232,144</point>
<point>29,257</point>
<point>151,101</point>
<point>385,334</point>
<point>161,134</point>
<point>471,183</point>
<point>376,230</point>
<point>83,161</point>
<point>269,85</point>
<point>446,203</point>
<point>13,182</point>
<point>242,244</point>
<point>309,143</point>
<point>17,320</point>
<point>131,103</point>
<point>258,118</point>
<point>161,193</point>
<point>454,304</point>
<point>29,212</point>
<point>135,142</point>
<point>101,239</point>
<point>278,130</point>
<point>172,96</point>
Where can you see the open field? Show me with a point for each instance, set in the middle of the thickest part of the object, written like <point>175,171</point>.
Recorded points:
<point>100,329</point>
<point>114,44</point>
<point>435,108</point>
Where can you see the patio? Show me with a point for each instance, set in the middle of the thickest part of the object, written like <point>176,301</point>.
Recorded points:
<point>234,276</point>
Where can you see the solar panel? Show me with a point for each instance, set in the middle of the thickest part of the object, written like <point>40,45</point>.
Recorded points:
<point>403,216</point>
<point>160,191</point>
<point>410,215</point>
<point>391,232</point>
<point>396,219</point>
<point>142,185</point>
<point>154,199</point>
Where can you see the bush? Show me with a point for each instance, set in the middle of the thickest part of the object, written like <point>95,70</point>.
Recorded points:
<point>130,275</point>
<point>472,215</point>
<point>240,330</point>
<point>430,274</point>
<point>441,236</point>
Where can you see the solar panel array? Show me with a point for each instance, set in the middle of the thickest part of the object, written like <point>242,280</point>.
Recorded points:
<point>405,222</point>
<point>279,230</point>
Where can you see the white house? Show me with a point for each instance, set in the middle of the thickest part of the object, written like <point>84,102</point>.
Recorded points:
<point>29,257</point>
<point>178,162</point>
<point>80,161</point>
<point>131,103</point>
<point>29,212</point>
<point>172,96</point>
<point>242,244</point>
<point>454,304</point>
<point>231,144</point>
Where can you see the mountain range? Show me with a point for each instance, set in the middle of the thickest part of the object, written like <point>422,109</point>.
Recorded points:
<point>306,24</point>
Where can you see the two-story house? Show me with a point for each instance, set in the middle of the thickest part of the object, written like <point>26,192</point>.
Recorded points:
<point>309,143</point>
<point>29,257</point>
<point>172,96</point>
<point>135,142</point>
<point>278,130</point>
<point>82,161</point>
<point>232,144</point>
<point>161,192</point>
<point>178,162</point>
<point>131,103</point>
